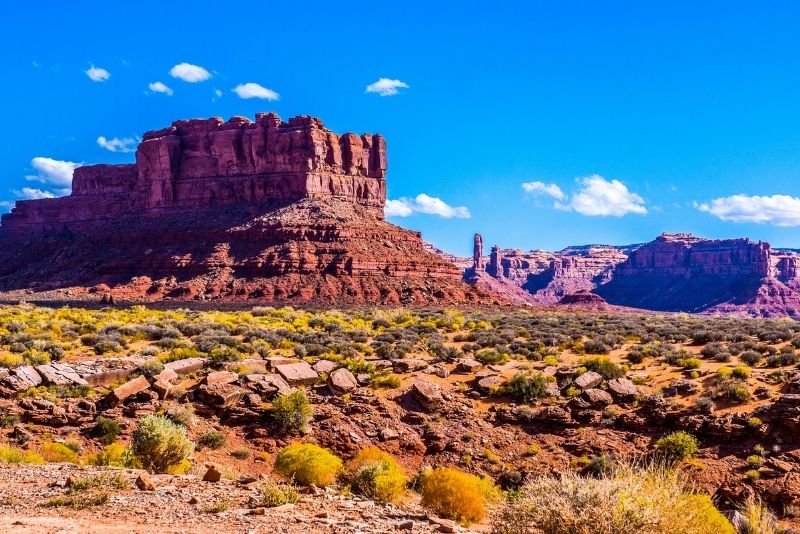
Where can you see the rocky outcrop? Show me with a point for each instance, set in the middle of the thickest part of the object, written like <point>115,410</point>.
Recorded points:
<point>268,210</point>
<point>675,272</point>
<point>682,272</point>
<point>209,162</point>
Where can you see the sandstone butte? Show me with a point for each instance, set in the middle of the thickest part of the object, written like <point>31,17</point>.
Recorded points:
<point>675,272</point>
<point>268,210</point>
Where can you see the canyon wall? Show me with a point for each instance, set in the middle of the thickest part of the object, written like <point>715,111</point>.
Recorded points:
<point>209,162</point>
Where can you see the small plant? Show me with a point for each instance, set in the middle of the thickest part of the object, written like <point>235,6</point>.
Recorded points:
<point>183,415</point>
<point>750,358</point>
<point>387,381</point>
<point>241,454</point>
<point>376,475</point>
<point>217,507</point>
<point>755,461</point>
<point>106,429</point>
<point>741,372</point>
<point>457,495</point>
<point>525,386</point>
<point>603,366</point>
<point>308,464</point>
<point>677,446</point>
<point>213,439</point>
<point>160,443</point>
<point>752,475</point>
<point>271,495</point>
<point>13,455</point>
<point>58,452</point>
<point>151,368</point>
<point>757,518</point>
<point>292,411</point>
<point>533,449</point>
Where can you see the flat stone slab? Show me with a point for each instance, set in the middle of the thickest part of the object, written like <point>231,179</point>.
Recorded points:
<point>298,374</point>
<point>221,395</point>
<point>186,366</point>
<point>623,388</point>
<point>131,387</point>
<point>589,379</point>
<point>59,374</point>
<point>342,381</point>
<point>325,366</point>
<point>409,365</point>
<point>470,366</point>
<point>221,377</point>
<point>489,384</point>
<point>22,379</point>
<point>598,397</point>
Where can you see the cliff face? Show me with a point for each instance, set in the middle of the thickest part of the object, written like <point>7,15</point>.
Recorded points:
<point>278,211</point>
<point>208,162</point>
<point>674,272</point>
<point>681,272</point>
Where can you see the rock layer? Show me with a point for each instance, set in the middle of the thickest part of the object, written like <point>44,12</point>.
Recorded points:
<point>269,210</point>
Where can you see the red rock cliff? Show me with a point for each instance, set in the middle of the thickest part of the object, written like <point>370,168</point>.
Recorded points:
<point>208,162</point>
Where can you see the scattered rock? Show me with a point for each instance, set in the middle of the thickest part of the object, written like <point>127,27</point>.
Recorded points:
<point>145,483</point>
<point>213,473</point>
<point>427,394</point>
<point>589,379</point>
<point>297,374</point>
<point>598,397</point>
<point>342,381</point>
<point>132,387</point>
<point>221,395</point>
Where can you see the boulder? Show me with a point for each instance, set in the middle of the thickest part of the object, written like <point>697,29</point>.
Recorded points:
<point>162,388</point>
<point>489,384</point>
<point>186,366</point>
<point>131,387</point>
<point>59,374</point>
<point>213,474</point>
<point>342,381</point>
<point>623,388</point>
<point>469,366</point>
<point>408,365</point>
<point>297,374</point>
<point>428,394</point>
<point>221,395</point>
<point>597,397</point>
<point>589,379</point>
<point>221,377</point>
<point>167,375</point>
<point>20,379</point>
<point>267,385</point>
<point>325,366</point>
<point>145,483</point>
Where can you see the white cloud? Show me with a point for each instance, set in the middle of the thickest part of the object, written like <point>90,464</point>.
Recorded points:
<point>425,204</point>
<point>778,210</point>
<point>53,171</point>
<point>541,188</point>
<point>254,90</point>
<point>158,87</point>
<point>32,193</point>
<point>189,73</point>
<point>598,197</point>
<point>386,87</point>
<point>96,74</point>
<point>6,205</point>
<point>116,144</point>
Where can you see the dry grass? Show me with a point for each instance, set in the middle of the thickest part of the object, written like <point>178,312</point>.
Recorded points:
<point>457,495</point>
<point>647,500</point>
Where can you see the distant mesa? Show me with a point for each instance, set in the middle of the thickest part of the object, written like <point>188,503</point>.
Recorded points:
<point>676,272</point>
<point>272,210</point>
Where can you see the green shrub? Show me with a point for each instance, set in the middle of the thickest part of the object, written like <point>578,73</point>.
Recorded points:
<point>292,411</point>
<point>58,452</point>
<point>271,495</point>
<point>213,439</point>
<point>603,366</point>
<point>308,464</point>
<point>158,443</point>
<point>677,446</point>
<point>457,495</point>
<point>107,429</point>
<point>525,386</point>
<point>151,368</point>
<point>376,475</point>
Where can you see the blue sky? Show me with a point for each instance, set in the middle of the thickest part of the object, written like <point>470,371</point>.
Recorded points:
<point>624,119</point>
